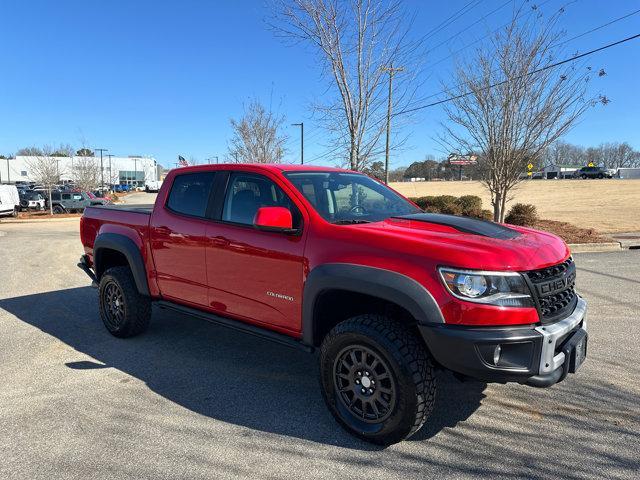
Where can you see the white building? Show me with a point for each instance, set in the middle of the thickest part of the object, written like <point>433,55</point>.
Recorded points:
<point>132,170</point>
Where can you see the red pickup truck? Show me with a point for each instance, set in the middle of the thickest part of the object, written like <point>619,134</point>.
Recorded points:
<point>332,260</point>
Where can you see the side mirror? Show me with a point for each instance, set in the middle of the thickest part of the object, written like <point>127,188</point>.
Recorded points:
<point>274,219</point>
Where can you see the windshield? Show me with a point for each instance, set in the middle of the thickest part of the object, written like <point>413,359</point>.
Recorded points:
<point>346,198</point>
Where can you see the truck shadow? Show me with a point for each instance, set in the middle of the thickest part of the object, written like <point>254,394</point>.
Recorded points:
<point>215,371</point>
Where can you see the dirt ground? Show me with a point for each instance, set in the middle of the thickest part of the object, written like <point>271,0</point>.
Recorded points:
<point>607,206</point>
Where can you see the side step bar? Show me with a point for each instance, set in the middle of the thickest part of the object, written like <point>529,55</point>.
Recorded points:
<point>237,325</point>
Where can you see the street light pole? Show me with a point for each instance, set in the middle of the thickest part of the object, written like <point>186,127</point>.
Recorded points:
<point>101,168</point>
<point>301,125</point>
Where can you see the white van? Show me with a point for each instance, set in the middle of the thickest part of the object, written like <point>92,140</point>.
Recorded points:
<point>9,200</point>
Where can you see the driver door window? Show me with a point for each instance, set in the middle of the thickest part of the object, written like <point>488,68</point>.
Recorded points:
<point>247,193</point>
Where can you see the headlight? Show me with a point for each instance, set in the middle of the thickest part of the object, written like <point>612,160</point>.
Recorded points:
<point>505,289</point>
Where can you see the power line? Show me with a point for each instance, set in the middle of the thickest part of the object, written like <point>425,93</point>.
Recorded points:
<point>537,7</point>
<point>546,67</point>
<point>611,22</point>
<point>468,7</point>
<point>469,26</point>
<point>598,28</point>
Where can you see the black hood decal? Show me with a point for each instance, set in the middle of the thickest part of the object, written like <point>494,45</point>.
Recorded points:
<point>466,225</point>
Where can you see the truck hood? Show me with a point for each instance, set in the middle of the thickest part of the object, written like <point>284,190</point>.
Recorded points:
<point>471,243</point>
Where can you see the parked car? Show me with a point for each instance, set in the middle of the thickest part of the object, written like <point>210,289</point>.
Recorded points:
<point>121,188</point>
<point>592,172</point>
<point>331,260</point>
<point>70,202</point>
<point>9,200</point>
<point>31,200</point>
<point>153,186</point>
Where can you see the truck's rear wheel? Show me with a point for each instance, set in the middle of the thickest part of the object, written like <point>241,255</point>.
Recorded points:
<point>377,378</point>
<point>123,310</point>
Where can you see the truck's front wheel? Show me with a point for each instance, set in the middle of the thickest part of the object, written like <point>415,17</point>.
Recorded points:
<point>377,378</point>
<point>123,310</point>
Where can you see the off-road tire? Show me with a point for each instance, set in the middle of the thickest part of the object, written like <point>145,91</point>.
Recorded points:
<point>57,209</point>
<point>135,312</point>
<point>409,365</point>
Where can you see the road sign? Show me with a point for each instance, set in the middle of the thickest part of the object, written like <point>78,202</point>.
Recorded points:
<point>530,167</point>
<point>529,173</point>
<point>590,164</point>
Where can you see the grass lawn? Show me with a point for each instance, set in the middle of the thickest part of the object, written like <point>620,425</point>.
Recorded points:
<point>606,206</point>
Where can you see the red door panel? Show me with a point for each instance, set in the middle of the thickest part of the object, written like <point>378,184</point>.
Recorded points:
<point>256,275</point>
<point>178,244</point>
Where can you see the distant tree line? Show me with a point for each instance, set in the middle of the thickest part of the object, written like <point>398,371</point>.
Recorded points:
<point>608,155</point>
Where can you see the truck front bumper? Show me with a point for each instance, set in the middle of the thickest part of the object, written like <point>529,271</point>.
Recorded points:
<point>539,356</point>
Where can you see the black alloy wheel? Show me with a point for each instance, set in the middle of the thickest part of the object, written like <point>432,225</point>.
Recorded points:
<point>114,306</point>
<point>364,383</point>
<point>377,378</point>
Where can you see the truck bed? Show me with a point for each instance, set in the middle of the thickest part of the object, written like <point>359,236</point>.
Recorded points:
<point>142,208</point>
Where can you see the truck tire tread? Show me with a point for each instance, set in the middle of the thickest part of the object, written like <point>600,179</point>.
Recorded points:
<point>137,306</point>
<point>408,351</point>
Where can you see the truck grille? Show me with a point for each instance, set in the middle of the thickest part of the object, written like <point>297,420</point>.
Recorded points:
<point>554,290</point>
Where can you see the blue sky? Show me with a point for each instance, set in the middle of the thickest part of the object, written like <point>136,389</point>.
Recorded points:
<point>163,78</point>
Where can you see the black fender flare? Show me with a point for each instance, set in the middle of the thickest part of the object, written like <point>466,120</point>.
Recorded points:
<point>126,246</point>
<point>384,284</point>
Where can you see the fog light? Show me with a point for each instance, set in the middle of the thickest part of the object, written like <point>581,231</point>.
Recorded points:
<point>496,354</point>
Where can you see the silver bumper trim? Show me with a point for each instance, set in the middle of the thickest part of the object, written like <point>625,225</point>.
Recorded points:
<point>549,361</point>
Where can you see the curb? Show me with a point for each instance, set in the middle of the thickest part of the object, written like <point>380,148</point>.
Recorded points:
<point>42,220</point>
<point>595,247</point>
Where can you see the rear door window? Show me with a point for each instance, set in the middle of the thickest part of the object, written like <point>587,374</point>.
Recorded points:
<point>190,193</point>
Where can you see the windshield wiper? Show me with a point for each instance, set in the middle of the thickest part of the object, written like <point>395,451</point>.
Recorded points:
<point>350,222</point>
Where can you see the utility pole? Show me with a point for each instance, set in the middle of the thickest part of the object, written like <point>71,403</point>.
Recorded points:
<point>101,168</point>
<point>391,71</point>
<point>110,174</point>
<point>301,125</point>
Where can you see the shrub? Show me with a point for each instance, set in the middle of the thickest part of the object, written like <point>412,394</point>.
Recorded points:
<point>471,205</point>
<point>443,204</point>
<point>522,214</point>
<point>420,201</point>
<point>468,205</point>
<point>486,215</point>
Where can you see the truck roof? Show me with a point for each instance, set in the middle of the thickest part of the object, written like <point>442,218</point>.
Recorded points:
<point>280,167</point>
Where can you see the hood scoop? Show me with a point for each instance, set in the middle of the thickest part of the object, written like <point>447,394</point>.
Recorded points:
<point>465,224</point>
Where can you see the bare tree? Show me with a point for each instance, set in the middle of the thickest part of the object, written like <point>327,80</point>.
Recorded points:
<point>29,151</point>
<point>86,172</point>
<point>563,153</point>
<point>510,106</point>
<point>617,155</point>
<point>45,170</point>
<point>357,42</point>
<point>257,136</point>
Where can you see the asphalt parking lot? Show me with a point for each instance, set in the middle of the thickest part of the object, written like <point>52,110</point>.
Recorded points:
<point>193,400</point>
